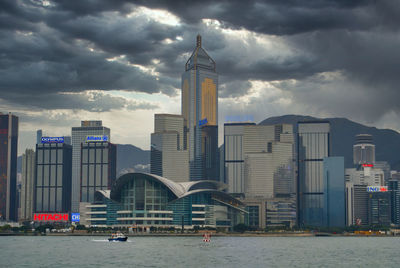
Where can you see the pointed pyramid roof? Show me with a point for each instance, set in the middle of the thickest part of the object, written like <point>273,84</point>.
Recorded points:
<point>200,58</point>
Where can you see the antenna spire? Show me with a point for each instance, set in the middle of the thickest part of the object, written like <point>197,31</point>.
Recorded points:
<point>198,41</point>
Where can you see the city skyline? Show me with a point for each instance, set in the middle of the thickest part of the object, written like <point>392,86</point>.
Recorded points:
<point>325,59</point>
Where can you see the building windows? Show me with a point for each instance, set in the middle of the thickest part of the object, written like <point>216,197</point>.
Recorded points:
<point>97,173</point>
<point>52,179</point>
<point>253,216</point>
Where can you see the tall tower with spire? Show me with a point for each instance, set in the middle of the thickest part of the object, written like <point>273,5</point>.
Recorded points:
<point>200,113</point>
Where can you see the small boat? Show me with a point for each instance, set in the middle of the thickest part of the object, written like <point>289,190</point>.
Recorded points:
<point>118,237</point>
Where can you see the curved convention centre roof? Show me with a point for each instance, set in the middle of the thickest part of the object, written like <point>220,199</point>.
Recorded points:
<point>99,194</point>
<point>180,190</point>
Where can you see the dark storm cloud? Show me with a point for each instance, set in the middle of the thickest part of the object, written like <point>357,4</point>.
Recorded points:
<point>72,46</point>
<point>287,17</point>
<point>93,101</point>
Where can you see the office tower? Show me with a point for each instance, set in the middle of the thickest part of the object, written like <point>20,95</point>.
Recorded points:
<point>313,143</point>
<point>98,168</point>
<point>269,174</point>
<point>27,184</point>
<point>168,158</point>
<point>334,192</point>
<point>379,208</point>
<point>79,135</point>
<point>268,160</point>
<point>385,167</point>
<point>53,176</point>
<point>394,190</point>
<point>365,175</point>
<point>234,156</point>
<point>269,180</point>
<point>39,135</point>
<point>356,204</point>
<point>364,150</point>
<point>8,166</point>
<point>200,113</point>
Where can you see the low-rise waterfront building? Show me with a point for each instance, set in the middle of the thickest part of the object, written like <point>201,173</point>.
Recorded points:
<point>145,200</point>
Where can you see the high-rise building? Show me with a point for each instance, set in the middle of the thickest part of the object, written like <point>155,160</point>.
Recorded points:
<point>27,184</point>
<point>365,175</point>
<point>356,204</point>
<point>385,167</point>
<point>200,113</point>
<point>98,168</point>
<point>268,167</point>
<point>313,141</point>
<point>268,160</point>
<point>334,192</point>
<point>394,189</point>
<point>168,157</point>
<point>379,208</point>
<point>270,174</point>
<point>364,150</point>
<point>53,176</point>
<point>8,166</point>
<point>79,136</point>
<point>234,156</point>
<point>39,135</point>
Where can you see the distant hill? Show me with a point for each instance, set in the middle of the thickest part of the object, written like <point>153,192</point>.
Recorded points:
<point>343,131</point>
<point>129,158</point>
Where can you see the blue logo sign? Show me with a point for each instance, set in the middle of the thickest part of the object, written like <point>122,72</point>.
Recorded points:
<point>203,122</point>
<point>75,217</point>
<point>52,139</point>
<point>377,189</point>
<point>97,138</point>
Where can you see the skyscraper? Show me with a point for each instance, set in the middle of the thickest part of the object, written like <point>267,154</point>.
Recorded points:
<point>200,113</point>
<point>27,185</point>
<point>53,176</point>
<point>234,156</point>
<point>168,157</point>
<point>8,166</point>
<point>39,135</point>
<point>334,192</point>
<point>313,143</point>
<point>79,135</point>
<point>364,150</point>
<point>98,168</point>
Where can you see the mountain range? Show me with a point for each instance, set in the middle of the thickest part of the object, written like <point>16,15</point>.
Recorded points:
<point>343,131</point>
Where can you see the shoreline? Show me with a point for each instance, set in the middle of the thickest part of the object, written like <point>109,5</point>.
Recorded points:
<point>200,234</point>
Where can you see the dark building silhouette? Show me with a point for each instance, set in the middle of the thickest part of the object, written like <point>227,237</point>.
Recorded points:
<point>98,168</point>
<point>8,166</point>
<point>53,177</point>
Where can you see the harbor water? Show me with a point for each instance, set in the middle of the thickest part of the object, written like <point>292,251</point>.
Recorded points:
<point>89,251</point>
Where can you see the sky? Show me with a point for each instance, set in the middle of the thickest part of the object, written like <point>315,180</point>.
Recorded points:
<point>121,61</point>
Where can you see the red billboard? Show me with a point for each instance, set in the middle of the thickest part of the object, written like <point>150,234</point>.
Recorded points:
<point>51,217</point>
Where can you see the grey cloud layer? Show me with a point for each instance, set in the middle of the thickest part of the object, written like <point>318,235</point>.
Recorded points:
<point>64,47</point>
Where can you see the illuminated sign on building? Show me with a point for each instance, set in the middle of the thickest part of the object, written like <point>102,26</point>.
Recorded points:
<point>75,217</point>
<point>96,138</point>
<point>367,165</point>
<point>52,139</point>
<point>239,118</point>
<point>203,122</point>
<point>50,217</point>
<point>377,189</point>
